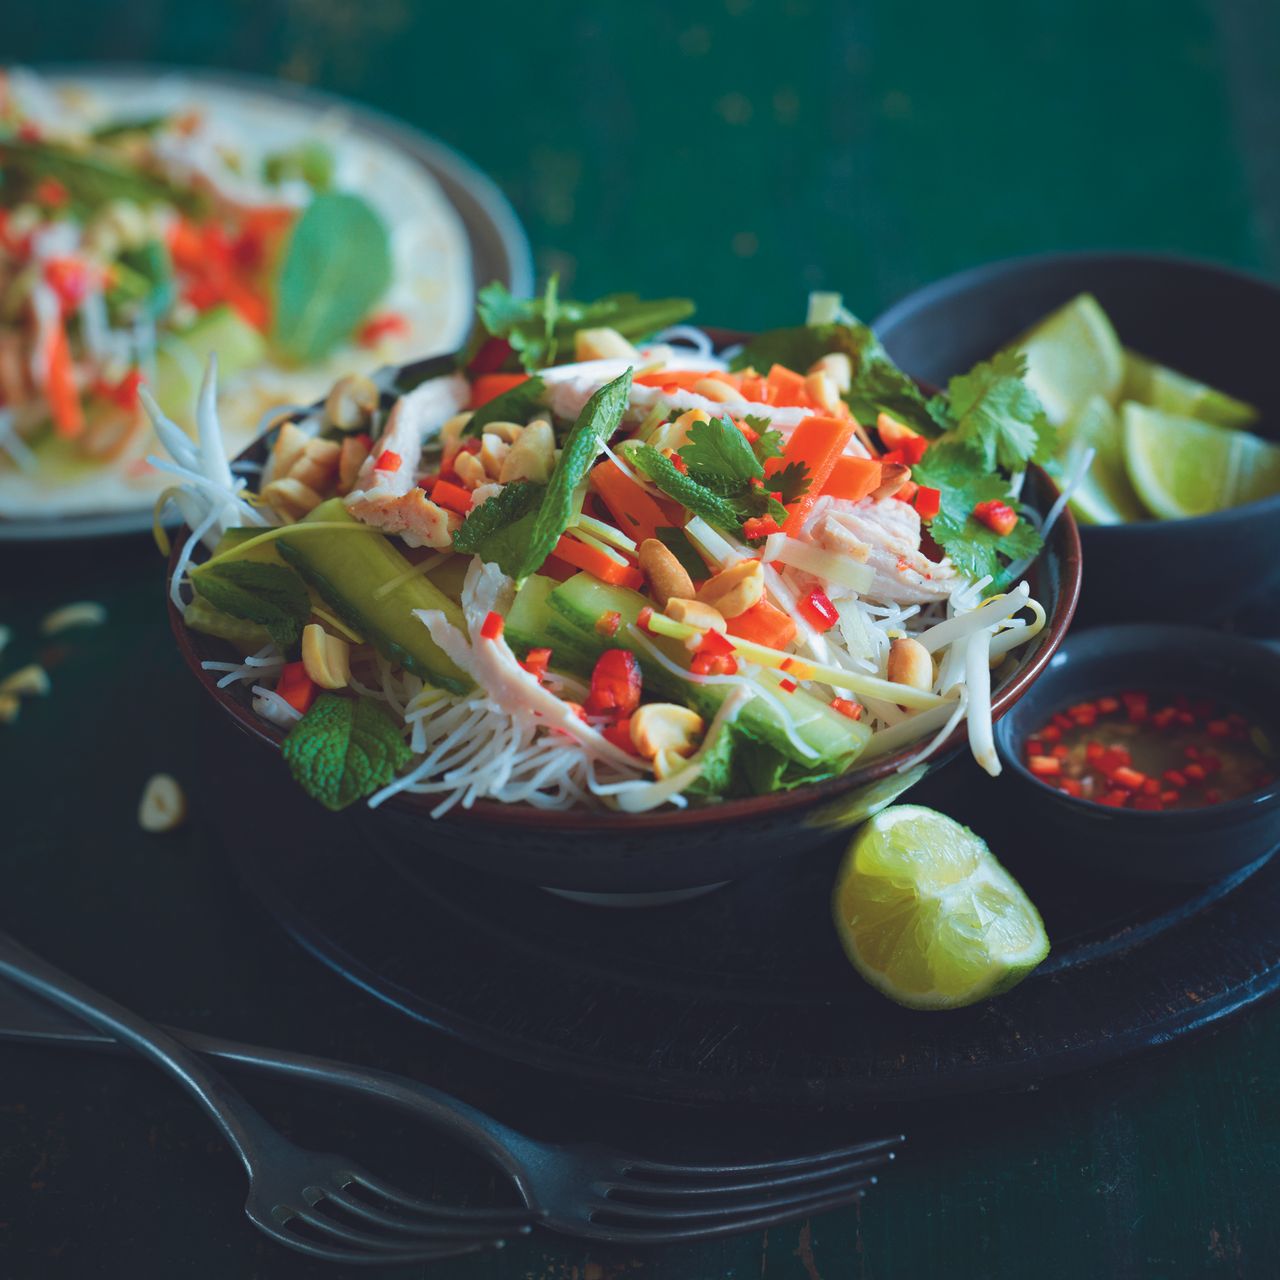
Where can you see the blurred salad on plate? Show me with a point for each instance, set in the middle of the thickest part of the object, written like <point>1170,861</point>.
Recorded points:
<point>146,223</point>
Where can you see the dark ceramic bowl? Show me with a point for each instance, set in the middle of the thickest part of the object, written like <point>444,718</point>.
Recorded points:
<point>657,853</point>
<point>1208,321</point>
<point>1181,844</point>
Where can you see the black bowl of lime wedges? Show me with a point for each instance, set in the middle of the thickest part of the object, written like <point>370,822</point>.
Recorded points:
<point>1162,366</point>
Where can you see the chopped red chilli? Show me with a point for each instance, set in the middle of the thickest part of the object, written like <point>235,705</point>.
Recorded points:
<point>388,460</point>
<point>998,516</point>
<point>491,627</point>
<point>847,707</point>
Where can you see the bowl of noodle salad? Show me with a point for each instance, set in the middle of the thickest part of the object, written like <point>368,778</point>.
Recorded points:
<point>613,603</point>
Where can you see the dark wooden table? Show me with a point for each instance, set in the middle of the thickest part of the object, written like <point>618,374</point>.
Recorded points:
<point>742,154</point>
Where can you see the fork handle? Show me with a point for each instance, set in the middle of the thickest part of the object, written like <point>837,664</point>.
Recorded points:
<point>241,1124</point>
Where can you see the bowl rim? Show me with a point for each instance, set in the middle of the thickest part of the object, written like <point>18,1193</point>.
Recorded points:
<point>1065,537</point>
<point>999,268</point>
<point>1128,639</point>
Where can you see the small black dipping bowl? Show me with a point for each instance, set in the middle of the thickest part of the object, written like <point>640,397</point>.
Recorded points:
<point>1178,844</point>
<point>1202,319</point>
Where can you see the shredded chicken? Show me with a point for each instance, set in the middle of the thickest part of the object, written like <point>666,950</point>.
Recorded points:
<point>885,535</point>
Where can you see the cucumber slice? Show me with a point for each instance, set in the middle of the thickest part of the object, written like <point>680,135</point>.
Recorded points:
<point>345,569</point>
<point>835,738</point>
<point>248,637</point>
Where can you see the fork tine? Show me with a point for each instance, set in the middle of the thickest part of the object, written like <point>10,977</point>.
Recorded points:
<point>441,1229</point>
<point>355,1257</point>
<point>761,1204</point>
<point>767,1168</point>
<point>388,1246</point>
<point>659,1191</point>
<point>666,1232</point>
<point>503,1219</point>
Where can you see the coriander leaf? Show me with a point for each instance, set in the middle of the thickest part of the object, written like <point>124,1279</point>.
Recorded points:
<point>517,405</point>
<point>796,347</point>
<point>712,507</point>
<point>994,410</point>
<point>268,594</point>
<point>959,474</point>
<point>336,266</point>
<point>790,482</point>
<point>769,442</point>
<point>540,331</point>
<point>344,749</point>
<point>599,419</point>
<point>677,542</point>
<point>498,530</point>
<point>718,456</point>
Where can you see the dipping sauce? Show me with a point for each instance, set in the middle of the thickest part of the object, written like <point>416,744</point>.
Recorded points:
<point>1152,751</point>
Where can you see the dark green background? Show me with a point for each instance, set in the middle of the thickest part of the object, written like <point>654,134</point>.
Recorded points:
<point>742,153</point>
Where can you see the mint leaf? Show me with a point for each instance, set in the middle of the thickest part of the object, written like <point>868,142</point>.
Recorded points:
<point>994,410</point>
<point>344,749</point>
<point>517,405</point>
<point>336,266</point>
<point>540,330</point>
<point>498,530</point>
<point>711,506</point>
<point>718,456</point>
<point>268,594</point>
<point>600,418</point>
<point>791,483</point>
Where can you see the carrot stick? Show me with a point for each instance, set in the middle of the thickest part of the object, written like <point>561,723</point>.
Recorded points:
<point>685,379</point>
<point>817,443</point>
<point>60,385</point>
<point>786,387</point>
<point>597,564</point>
<point>489,386</point>
<point>445,493</point>
<point>853,478</point>
<point>633,510</point>
<point>764,623</point>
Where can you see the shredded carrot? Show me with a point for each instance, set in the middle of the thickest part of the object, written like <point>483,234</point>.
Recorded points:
<point>446,494</point>
<point>786,387</point>
<point>633,510</point>
<point>853,478</point>
<point>817,444</point>
<point>597,564</point>
<point>60,385</point>
<point>488,386</point>
<point>765,624</point>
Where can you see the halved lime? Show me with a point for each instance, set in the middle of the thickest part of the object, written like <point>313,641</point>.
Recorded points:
<point>1073,355</point>
<point>1105,495</point>
<point>1173,392</point>
<point>1181,467</point>
<point>928,916</point>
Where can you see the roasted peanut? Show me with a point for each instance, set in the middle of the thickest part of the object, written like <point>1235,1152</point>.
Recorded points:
<point>350,403</point>
<point>317,465</point>
<point>893,475</point>
<point>290,499</point>
<point>667,576</point>
<point>163,805</point>
<point>716,389</point>
<point>910,663</point>
<point>84,613</point>
<point>533,456</point>
<point>326,658</point>
<point>351,457</point>
<point>675,435</point>
<point>602,344</point>
<point>665,727</point>
<point>493,453</point>
<point>822,390</point>
<point>451,432</point>
<point>10,706</point>
<point>29,681</point>
<point>734,590</point>
<point>838,367</point>
<point>507,432</point>
<point>289,445</point>
<point>470,469</point>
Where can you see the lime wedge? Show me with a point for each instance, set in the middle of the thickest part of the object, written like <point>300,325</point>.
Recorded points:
<point>928,916</point>
<point>1105,495</point>
<point>1182,467</point>
<point>1073,355</point>
<point>1162,388</point>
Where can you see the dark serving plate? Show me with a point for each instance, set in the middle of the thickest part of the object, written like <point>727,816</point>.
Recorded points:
<point>1206,320</point>
<point>598,852</point>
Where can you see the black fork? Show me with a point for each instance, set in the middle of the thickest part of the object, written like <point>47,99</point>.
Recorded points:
<point>322,1205</point>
